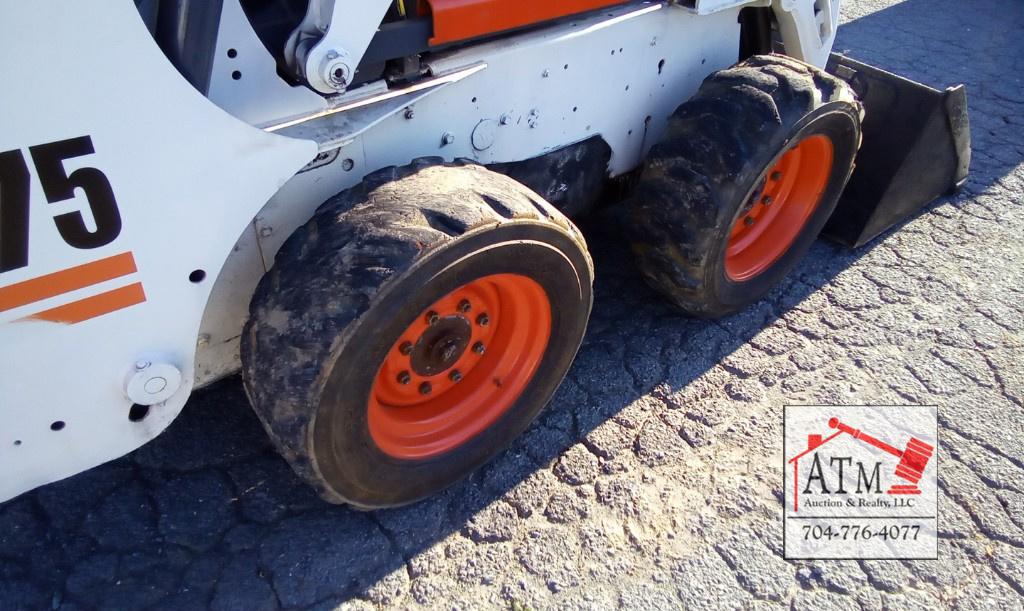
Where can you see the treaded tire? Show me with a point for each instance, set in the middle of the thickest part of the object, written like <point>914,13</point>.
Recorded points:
<point>346,284</point>
<point>710,164</point>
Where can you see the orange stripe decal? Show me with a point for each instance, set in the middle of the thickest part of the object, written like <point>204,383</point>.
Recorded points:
<point>66,280</point>
<point>94,306</point>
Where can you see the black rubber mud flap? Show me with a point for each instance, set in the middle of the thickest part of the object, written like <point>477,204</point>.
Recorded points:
<point>917,147</point>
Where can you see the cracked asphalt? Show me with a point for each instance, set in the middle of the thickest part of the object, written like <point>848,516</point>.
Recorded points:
<point>653,479</point>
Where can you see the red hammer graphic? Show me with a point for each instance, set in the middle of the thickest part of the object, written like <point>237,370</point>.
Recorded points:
<point>913,459</point>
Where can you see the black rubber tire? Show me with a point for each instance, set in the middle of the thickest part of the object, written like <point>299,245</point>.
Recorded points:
<point>714,154</point>
<point>345,286</point>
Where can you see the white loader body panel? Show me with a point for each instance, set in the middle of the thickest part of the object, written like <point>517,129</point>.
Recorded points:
<point>95,318</point>
<point>186,179</point>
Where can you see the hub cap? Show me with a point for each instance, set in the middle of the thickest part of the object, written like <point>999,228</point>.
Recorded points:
<point>459,366</point>
<point>787,196</point>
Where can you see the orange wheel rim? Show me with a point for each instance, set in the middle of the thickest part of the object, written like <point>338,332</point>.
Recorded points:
<point>788,194</point>
<point>460,365</point>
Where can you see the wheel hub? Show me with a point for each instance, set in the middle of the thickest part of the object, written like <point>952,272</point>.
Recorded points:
<point>459,366</point>
<point>785,197</point>
<point>441,345</point>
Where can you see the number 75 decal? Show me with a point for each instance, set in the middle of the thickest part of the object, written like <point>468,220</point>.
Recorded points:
<point>58,186</point>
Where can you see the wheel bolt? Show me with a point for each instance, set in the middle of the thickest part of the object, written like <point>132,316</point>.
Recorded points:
<point>748,221</point>
<point>767,200</point>
<point>455,375</point>
<point>776,175</point>
<point>425,388</point>
<point>464,306</point>
<point>478,347</point>
<point>483,320</point>
<point>432,317</point>
<point>404,377</point>
<point>405,348</point>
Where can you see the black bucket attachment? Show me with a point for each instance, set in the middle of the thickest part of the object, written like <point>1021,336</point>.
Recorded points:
<point>917,147</point>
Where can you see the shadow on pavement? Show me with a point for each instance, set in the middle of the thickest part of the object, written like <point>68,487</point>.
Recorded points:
<point>209,514</point>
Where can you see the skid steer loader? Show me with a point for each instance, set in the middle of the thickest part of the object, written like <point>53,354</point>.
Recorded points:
<point>364,207</point>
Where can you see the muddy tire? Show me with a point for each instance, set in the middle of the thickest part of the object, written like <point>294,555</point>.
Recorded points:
<point>413,328</point>
<point>745,177</point>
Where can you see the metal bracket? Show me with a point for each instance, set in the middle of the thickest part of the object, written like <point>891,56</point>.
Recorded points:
<point>342,123</point>
<point>808,28</point>
<point>326,47</point>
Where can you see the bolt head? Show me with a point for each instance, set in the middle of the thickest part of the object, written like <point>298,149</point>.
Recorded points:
<point>505,119</point>
<point>478,347</point>
<point>425,388</point>
<point>545,74</point>
<point>409,113</point>
<point>152,382</point>
<point>483,320</point>
<point>405,348</point>
<point>455,375</point>
<point>335,71</point>
<point>465,306</point>
<point>432,318</point>
<point>776,176</point>
<point>404,377</point>
<point>748,221</point>
<point>447,138</point>
<point>767,200</point>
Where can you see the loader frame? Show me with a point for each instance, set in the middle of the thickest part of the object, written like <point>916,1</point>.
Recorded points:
<point>143,200</point>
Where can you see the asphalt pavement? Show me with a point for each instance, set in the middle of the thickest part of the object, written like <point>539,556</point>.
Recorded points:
<point>654,478</point>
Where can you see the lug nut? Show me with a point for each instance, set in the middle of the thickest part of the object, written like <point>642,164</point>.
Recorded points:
<point>455,375</point>
<point>432,318</point>
<point>405,348</point>
<point>464,306</point>
<point>478,347</point>
<point>425,388</point>
<point>748,221</point>
<point>776,175</point>
<point>767,200</point>
<point>483,320</point>
<point>404,377</point>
